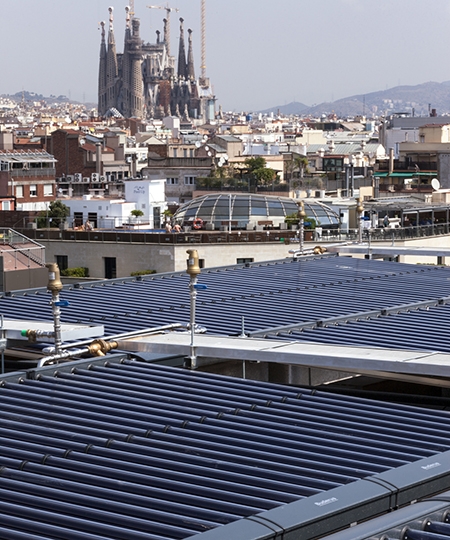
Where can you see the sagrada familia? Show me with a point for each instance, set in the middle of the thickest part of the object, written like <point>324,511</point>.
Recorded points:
<point>142,82</point>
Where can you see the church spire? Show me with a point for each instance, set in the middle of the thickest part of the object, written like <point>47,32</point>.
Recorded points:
<point>102,74</point>
<point>190,62</point>
<point>112,70</point>
<point>182,68</point>
<point>136,99</point>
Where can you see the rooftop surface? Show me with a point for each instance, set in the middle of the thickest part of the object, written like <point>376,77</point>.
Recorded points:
<point>133,450</point>
<point>113,447</point>
<point>333,299</point>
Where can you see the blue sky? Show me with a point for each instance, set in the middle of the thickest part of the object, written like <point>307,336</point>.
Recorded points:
<point>259,53</point>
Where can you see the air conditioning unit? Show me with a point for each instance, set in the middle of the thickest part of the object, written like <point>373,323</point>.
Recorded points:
<point>69,178</point>
<point>102,179</point>
<point>95,176</point>
<point>77,177</point>
<point>86,179</point>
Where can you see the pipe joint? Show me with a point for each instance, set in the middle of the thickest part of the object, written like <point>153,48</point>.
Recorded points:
<point>100,347</point>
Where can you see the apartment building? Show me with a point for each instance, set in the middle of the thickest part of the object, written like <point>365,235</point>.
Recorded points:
<point>27,179</point>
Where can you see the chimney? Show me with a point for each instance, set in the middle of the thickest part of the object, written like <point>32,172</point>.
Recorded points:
<point>98,158</point>
<point>391,160</point>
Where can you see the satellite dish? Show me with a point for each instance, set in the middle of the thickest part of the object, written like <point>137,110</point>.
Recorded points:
<point>206,148</point>
<point>435,184</point>
<point>198,144</point>
<point>209,154</point>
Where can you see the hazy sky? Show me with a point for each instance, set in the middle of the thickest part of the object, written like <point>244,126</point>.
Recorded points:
<point>259,53</point>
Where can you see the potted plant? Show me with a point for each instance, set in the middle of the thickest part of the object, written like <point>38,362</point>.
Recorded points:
<point>310,224</point>
<point>137,213</point>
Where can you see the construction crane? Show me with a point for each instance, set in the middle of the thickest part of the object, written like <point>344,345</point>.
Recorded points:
<point>168,10</point>
<point>203,79</point>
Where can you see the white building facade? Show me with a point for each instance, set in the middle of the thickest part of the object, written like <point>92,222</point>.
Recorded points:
<point>102,213</point>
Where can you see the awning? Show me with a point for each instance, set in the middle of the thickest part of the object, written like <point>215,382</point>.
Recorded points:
<point>404,174</point>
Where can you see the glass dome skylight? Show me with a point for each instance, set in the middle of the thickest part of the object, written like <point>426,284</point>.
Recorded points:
<point>243,209</point>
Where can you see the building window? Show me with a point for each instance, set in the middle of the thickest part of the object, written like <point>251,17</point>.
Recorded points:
<point>77,219</point>
<point>185,152</point>
<point>48,190</point>
<point>175,152</point>
<point>244,260</point>
<point>33,190</point>
<point>92,218</point>
<point>191,152</point>
<point>19,192</point>
<point>189,180</point>
<point>110,267</point>
<point>62,261</point>
<point>6,205</point>
<point>172,181</point>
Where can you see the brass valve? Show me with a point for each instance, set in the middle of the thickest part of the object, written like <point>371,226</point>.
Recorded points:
<point>193,265</point>
<point>360,207</point>
<point>54,280</point>
<point>301,214</point>
<point>100,347</point>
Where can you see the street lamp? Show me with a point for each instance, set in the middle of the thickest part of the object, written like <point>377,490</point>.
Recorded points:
<point>301,214</point>
<point>360,210</point>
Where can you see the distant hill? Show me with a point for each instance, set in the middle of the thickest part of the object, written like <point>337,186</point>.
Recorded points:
<point>33,96</point>
<point>291,108</point>
<point>418,100</point>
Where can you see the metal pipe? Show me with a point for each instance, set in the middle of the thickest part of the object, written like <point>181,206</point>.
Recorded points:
<point>116,337</point>
<point>193,299</point>
<point>193,269</point>
<point>242,327</point>
<point>360,210</point>
<point>301,220</point>
<point>61,356</point>
<point>2,344</point>
<point>98,347</point>
<point>313,251</point>
<point>54,286</point>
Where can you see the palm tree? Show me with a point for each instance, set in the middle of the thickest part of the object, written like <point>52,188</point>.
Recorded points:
<point>301,164</point>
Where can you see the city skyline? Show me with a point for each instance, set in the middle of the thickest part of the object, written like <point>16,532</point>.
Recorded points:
<point>259,54</point>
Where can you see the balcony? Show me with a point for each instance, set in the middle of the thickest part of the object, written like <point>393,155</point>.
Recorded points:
<point>180,163</point>
<point>33,173</point>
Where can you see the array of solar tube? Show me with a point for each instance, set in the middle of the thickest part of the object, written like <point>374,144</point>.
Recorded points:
<point>266,297</point>
<point>138,451</point>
